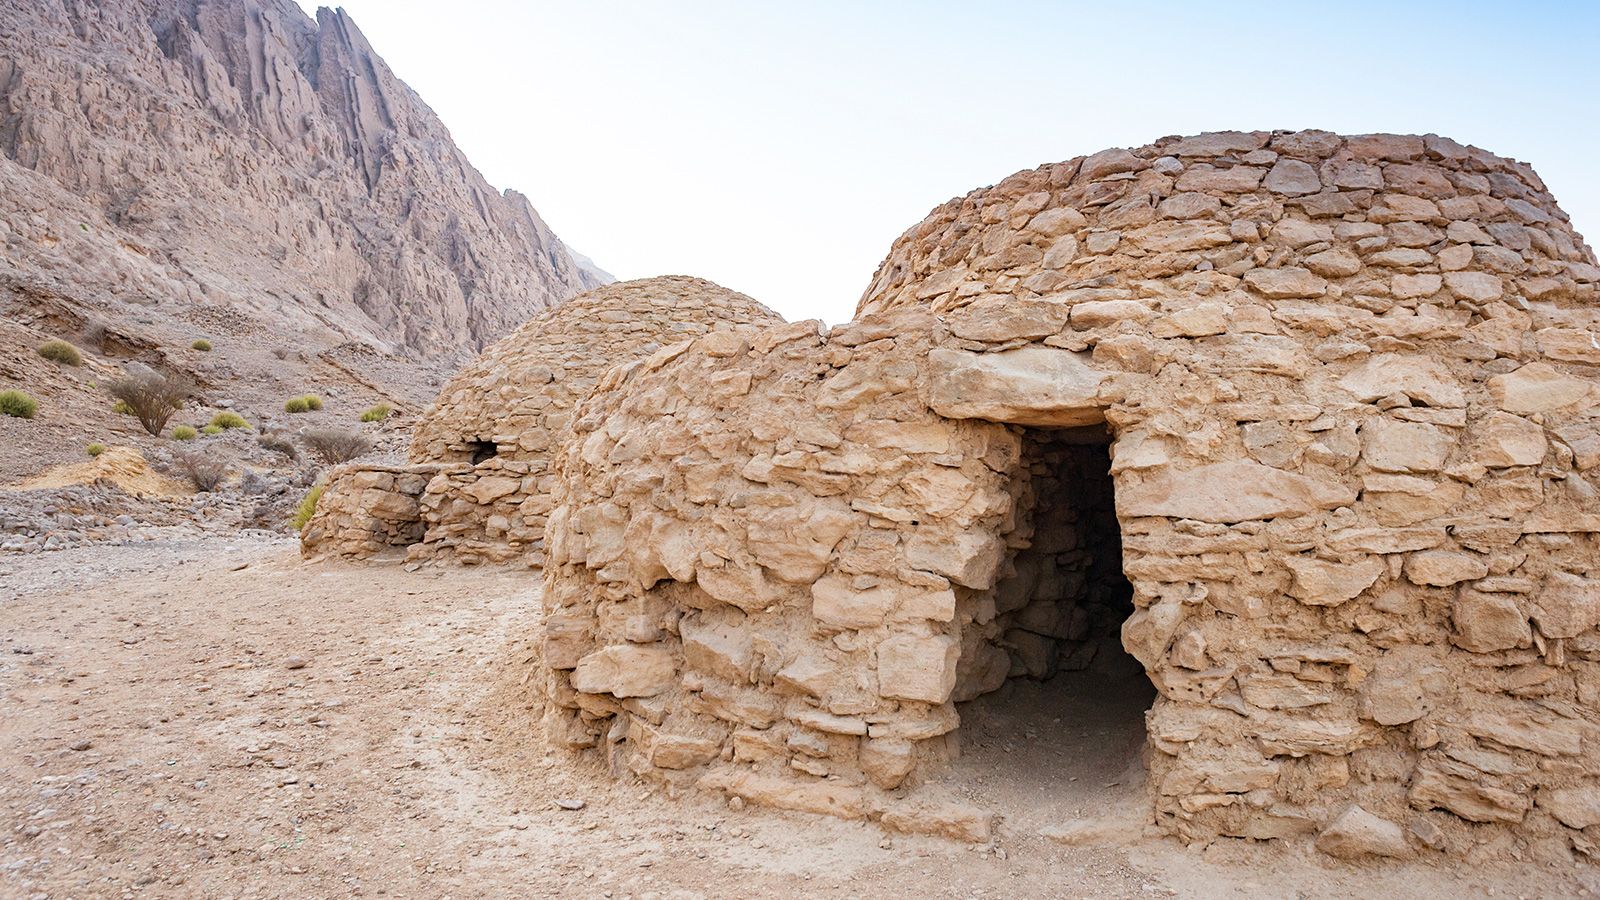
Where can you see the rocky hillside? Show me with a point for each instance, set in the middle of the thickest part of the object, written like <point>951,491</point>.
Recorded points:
<point>165,159</point>
<point>233,175</point>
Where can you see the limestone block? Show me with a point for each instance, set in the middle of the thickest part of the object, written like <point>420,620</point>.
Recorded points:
<point>917,668</point>
<point>1575,807</point>
<point>1540,387</point>
<point>951,819</point>
<point>794,542</point>
<point>1487,622</point>
<point>1567,605</point>
<point>1432,787</point>
<point>681,751</point>
<point>1322,583</point>
<point>1000,319</point>
<point>1286,283</point>
<point>1234,491</point>
<point>1442,568</point>
<point>720,648</point>
<point>887,761</point>
<point>835,600</point>
<point>627,670</point>
<point>1357,833</point>
<point>1404,686</point>
<point>1032,385</point>
<point>829,798</point>
<point>1420,378</point>
<point>1292,177</point>
<point>969,559</point>
<point>1391,446</point>
<point>1502,440</point>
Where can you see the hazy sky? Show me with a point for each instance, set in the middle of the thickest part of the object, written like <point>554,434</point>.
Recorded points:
<point>779,148</point>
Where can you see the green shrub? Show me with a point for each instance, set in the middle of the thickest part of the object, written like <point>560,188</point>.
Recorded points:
<point>377,413</point>
<point>121,407</point>
<point>313,402</point>
<point>307,507</point>
<point>183,433</point>
<point>211,430</point>
<point>228,419</point>
<point>201,344</point>
<point>18,404</point>
<point>296,405</point>
<point>62,352</point>
<point>95,449</point>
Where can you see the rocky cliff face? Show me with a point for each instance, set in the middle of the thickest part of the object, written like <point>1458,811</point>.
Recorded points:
<point>236,156</point>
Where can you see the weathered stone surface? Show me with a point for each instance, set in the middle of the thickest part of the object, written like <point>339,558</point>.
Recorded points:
<point>1231,492</point>
<point>1502,440</point>
<point>1285,283</point>
<point>1391,446</point>
<point>1539,387</point>
<point>1577,807</point>
<point>1487,622</point>
<point>625,670</point>
<point>918,668</point>
<point>1322,583</point>
<point>1442,568</point>
<point>1566,605</point>
<point>1357,833</point>
<point>1027,386</point>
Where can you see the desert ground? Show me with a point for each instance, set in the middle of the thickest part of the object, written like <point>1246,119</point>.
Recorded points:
<point>211,716</point>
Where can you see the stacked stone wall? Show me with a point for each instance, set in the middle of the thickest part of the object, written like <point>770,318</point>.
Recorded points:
<point>1352,390</point>
<point>366,510</point>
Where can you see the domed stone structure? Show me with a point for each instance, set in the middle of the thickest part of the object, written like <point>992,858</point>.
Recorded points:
<point>1307,425</point>
<point>478,485</point>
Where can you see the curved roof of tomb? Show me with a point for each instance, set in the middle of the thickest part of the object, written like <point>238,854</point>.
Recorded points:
<point>1392,224</point>
<point>519,392</point>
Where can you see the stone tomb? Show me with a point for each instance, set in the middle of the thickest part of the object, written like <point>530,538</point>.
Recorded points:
<point>1341,395</point>
<point>1309,425</point>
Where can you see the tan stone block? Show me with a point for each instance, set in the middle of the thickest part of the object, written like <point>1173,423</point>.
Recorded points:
<point>1540,387</point>
<point>917,668</point>
<point>627,670</point>
<point>1487,622</point>
<point>1286,283</point>
<point>1323,583</point>
<point>1357,833</point>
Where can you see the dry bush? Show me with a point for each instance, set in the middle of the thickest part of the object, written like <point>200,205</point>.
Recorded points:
<point>16,403</point>
<point>151,397</point>
<point>278,444</point>
<point>335,445</point>
<point>204,470</point>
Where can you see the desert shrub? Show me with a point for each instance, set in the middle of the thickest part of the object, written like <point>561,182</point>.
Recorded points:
<point>18,404</point>
<point>95,449</point>
<point>201,344</point>
<point>313,402</point>
<point>335,445</point>
<point>308,505</point>
<point>94,335</point>
<point>204,470</point>
<point>278,444</point>
<point>151,397</point>
<point>296,405</point>
<point>377,413</point>
<point>183,433</point>
<point>62,352</point>
<point>228,419</point>
<point>121,407</point>
<point>211,430</point>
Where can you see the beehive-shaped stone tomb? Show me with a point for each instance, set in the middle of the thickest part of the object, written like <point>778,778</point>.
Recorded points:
<point>477,486</point>
<point>1304,424</point>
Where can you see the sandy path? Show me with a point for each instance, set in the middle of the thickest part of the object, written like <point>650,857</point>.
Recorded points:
<point>218,719</point>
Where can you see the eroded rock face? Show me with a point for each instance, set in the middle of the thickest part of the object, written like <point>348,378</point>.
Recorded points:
<point>215,158</point>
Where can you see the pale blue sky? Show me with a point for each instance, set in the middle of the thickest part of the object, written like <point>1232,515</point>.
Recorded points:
<point>780,148</point>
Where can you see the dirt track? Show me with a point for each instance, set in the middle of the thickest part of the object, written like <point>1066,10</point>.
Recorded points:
<point>219,719</point>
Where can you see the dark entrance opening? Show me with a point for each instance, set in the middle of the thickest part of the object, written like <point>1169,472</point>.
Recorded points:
<point>483,451</point>
<point>1061,736</point>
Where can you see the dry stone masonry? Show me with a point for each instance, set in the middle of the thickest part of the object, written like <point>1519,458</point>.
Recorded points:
<point>1309,425</point>
<point>483,450</point>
